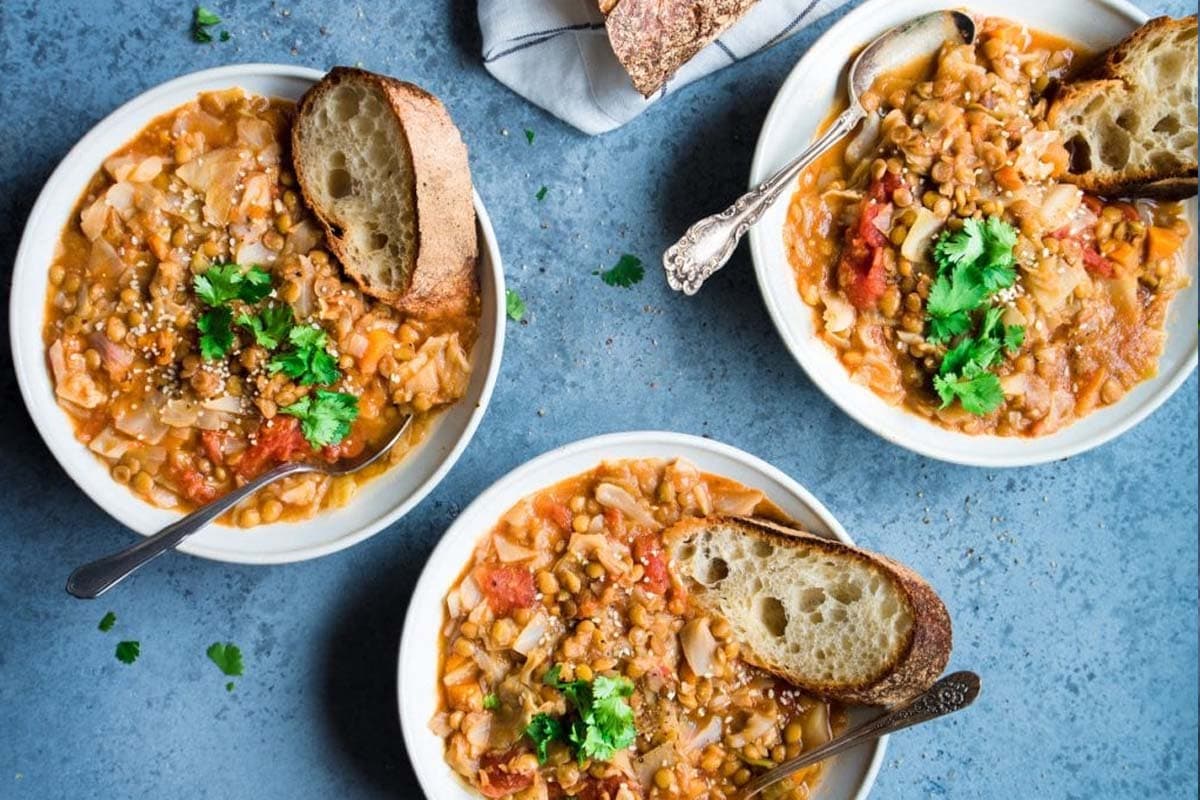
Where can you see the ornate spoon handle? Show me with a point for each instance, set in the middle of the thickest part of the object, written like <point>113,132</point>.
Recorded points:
<point>951,693</point>
<point>709,243</point>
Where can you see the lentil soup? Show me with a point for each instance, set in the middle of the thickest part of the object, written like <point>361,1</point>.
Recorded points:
<point>570,596</point>
<point>198,332</point>
<point>956,162</point>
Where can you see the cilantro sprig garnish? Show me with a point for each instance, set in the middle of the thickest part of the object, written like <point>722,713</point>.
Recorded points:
<point>541,193</point>
<point>227,657</point>
<point>325,417</point>
<point>514,306</point>
<point>128,652</point>
<point>973,264</point>
<point>306,361</point>
<point>203,19</point>
<point>600,724</point>
<point>216,333</point>
<point>625,273</point>
<point>223,283</point>
<point>107,622</point>
<point>270,326</point>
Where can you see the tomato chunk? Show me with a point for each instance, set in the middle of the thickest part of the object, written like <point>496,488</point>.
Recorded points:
<point>860,271</point>
<point>279,440</point>
<point>495,779</point>
<point>350,447</point>
<point>1097,264</point>
<point>554,511</point>
<point>212,442</point>
<point>608,788</point>
<point>506,588</point>
<point>194,486</point>
<point>647,551</point>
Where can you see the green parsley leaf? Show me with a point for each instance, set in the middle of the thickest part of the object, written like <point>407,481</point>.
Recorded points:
<point>229,686</point>
<point>551,676</point>
<point>270,326</point>
<point>541,194</point>
<point>128,652</point>
<point>514,306</point>
<point>625,273</point>
<point>225,38</point>
<point>979,394</point>
<point>491,701</point>
<point>107,622</point>
<point>960,247</point>
<point>202,20</point>
<point>224,283</point>
<point>325,417</point>
<point>216,335</point>
<point>542,730</point>
<point>227,657</point>
<point>307,362</point>
<point>529,135</point>
<point>1014,337</point>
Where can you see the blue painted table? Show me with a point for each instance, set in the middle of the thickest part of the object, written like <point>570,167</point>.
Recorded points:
<point>1073,586</point>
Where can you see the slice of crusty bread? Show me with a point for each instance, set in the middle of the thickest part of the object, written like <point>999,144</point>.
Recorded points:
<point>654,38</point>
<point>1131,128</point>
<point>835,620</point>
<point>385,170</point>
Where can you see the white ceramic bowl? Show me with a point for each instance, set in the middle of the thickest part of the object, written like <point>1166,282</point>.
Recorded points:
<point>381,501</point>
<point>802,104</point>
<point>849,775</point>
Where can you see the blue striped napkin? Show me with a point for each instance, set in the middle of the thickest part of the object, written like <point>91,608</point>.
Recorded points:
<point>555,53</point>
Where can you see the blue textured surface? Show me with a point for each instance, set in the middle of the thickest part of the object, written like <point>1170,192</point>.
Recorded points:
<point>1073,586</point>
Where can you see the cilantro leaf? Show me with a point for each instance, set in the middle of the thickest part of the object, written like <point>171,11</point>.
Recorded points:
<point>227,657</point>
<point>602,722</point>
<point>625,273</point>
<point>202,20</point>
<point>270,326</point>
<point>514,306</point>
<point>551,676</point>
<point>490,701</point>
<point>542,730</point>
<point>216,335</point>
<point>128,652</point>
<point>307,362</point>
<point>325,417</point>
<point>228,686</point>
<point>951,299</point>
<point>205,16</point>
<point>529,136</point>
<point>979,394</point>
<point>224,283</point>
<point>107,622</point>
<point>959,247</point>
<point>225,38</point>
<point>541,194</point>
<point>1014,337</point>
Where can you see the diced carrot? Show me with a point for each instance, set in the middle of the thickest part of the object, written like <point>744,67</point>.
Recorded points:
<point>1161,243</point>
<point>379,342</point>
<point>459,695</point>
<point>1124,254</point>
<point>1008,178</point>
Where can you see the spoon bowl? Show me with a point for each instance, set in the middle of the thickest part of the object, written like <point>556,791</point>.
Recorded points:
<point>708,244</point>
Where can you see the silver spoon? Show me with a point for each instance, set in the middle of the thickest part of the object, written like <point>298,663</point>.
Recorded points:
<point>709,243</point>
<point>94,579</point>
<point>952,693</point>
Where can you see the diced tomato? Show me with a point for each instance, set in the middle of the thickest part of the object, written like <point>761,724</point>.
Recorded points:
<point>212,442</point>
<point>495,779</point>
<point>554,511</point>
<point>1093,203</point>
<point>279,440</point>
<point>506,588</point>
<point>647,551</point>
<point>194,486</point>
<point>614,520</point>
<point>860,271</point>
<point>1096,263</point>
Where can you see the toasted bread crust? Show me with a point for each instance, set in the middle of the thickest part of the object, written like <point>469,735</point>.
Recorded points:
<point>654,38</point>
<point>443,281</point>
<point>920,661</point>
<point>1081,109</point>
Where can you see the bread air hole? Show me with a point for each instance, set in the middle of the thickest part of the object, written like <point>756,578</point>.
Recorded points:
<point>378,240</point>
<point>762,549</point>
<point>1168,124</point>
<point>846,593</point>
<point>811,599</point>
<point>345,105</point>
<point>1128,120</point>
<point>773,616</point>
<point>715,571</point>
<point>340,184</point>
<point>1081,154</point>
<point>1114,147</point>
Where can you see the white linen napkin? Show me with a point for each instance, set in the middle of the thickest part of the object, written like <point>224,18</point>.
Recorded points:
<point>555,53</point>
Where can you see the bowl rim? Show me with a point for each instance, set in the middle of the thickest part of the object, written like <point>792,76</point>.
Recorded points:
<point>544,470</point>
<point>1018,451</point>
<point>114,504</point>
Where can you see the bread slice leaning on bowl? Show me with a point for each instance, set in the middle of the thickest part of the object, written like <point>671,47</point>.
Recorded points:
<point>835,620</point>
<point>1131,128</point>
<point>385,170</point>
